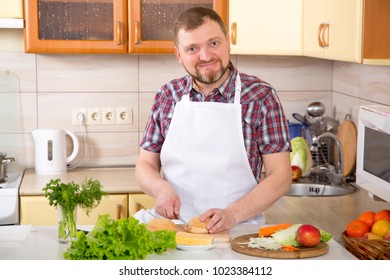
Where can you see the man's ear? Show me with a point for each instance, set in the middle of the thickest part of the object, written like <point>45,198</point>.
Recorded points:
<point>177,54</point>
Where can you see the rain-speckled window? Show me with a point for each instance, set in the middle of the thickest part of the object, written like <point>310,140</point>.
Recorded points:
<point>158,16</point>
<point>76,20</point>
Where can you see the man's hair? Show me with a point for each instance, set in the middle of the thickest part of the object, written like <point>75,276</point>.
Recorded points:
<point>195,17</point>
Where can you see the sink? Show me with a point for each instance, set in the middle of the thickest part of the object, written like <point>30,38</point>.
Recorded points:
<point>313,189</point>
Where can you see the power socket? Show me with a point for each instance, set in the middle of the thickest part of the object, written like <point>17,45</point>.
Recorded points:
<point>77,115</point>
<point>108,116</point>
<point>94,116</point>
<point>124,115</point>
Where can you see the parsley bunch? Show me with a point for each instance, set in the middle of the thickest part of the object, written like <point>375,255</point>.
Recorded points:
<point>71,195</point>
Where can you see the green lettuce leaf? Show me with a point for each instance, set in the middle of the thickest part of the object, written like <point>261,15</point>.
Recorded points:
<point>123,239</point>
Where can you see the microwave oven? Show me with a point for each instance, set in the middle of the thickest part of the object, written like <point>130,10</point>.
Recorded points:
<point>373,151</point>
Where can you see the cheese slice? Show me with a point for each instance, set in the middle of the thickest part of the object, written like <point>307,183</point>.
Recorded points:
<point>186,238</point>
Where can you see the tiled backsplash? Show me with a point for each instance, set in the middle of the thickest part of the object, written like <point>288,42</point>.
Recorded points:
<point>52,85</point>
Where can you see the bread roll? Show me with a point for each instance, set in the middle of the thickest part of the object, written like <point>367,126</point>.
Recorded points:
<point>196,226</point>
<point>161,224</point>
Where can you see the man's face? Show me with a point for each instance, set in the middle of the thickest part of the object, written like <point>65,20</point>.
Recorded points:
<point>204,52</point>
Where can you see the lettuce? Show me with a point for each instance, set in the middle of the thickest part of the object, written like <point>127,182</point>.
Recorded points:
<point>123,239</point>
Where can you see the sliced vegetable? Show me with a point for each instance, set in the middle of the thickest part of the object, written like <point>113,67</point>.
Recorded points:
<point>269,230</point>
<point>289,248</point>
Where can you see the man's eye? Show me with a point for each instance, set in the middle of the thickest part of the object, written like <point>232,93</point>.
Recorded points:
<point>214,44</point>
<point>191,50</point>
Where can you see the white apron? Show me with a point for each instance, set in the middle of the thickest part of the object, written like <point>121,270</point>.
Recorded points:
<point>204,156</point>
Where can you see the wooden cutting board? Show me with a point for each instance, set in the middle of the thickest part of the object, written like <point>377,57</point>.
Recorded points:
<point>220,237</point>
<point>240,245</point>
<point>347,135</point>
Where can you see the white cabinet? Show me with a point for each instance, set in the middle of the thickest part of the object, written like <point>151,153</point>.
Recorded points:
<point>266,27</point>
<point>140,201</point>
<point>333,29</point>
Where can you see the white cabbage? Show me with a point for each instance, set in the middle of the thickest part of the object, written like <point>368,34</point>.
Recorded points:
<point>301,155</point>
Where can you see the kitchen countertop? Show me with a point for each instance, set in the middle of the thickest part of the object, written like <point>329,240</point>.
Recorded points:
<point>329,213</point>
<point>42,244</point>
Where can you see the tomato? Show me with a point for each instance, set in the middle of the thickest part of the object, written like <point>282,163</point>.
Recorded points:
<point>357,228</point>
<point>382,215</point>
<point>367,217</point>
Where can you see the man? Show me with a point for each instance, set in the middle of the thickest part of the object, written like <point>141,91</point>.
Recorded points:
<point>211,132</point>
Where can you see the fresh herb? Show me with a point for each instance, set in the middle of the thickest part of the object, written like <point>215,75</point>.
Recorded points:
<point>68,196</point>
<point>123,239</point>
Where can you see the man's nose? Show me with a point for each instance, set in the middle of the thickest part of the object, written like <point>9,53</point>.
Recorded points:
<point>204,54</point>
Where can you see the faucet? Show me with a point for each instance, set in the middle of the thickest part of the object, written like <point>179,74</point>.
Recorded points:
<point>334,177</point>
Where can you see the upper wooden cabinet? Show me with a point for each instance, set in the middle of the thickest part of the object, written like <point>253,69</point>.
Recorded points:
<point>332,29</point>
<point>348,30</point>
<point>266,27</point>
<point>151,21</point>
<point>76,26</point>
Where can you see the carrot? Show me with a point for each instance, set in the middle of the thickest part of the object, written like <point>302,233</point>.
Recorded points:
<point>289,248</point>
<point>267,231</point>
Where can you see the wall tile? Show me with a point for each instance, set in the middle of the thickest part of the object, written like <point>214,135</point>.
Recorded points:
<point>346,78</point>
<point>23,66</point>
<point>145,104</point>
<point>55,109</point>
<point>155,71</point>
<point>287,73</point>
<point>87,73</point>
<point>375,83</point>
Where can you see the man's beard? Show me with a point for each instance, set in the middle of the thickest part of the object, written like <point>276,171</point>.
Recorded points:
<point>208,79</point>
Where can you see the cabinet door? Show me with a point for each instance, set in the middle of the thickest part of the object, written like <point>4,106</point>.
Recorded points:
<point>269,27</point>
<point>140,201</point>
<point>333,29</point>
<point>74,26</point>
<point>151,21</point>
<point>11,9</point>
<point>115,205</point>
<point>36,211</point>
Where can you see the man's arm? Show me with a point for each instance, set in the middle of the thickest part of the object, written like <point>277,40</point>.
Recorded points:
<point>149,179</point>
<point>276,184</point>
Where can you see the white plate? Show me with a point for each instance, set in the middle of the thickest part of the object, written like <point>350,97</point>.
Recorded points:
<point>195,247</point>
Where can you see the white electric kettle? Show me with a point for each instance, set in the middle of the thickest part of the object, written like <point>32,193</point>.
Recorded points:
<point>50,150</point>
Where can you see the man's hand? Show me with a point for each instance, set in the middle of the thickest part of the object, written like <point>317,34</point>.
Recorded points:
<point>220,219</point>
<point>168,204</point>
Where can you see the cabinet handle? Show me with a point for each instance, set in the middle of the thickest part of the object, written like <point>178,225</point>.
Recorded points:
<point>233,33</point>
<point>118,211</point>
<point>138,206</point>
<point>323,30</point>
<point>137,35</point>
<point>119,33</point>
<point>319,37</point>
<point>325,35</point>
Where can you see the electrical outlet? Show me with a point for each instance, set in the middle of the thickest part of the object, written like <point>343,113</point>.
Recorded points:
<point>124,115</point>
<point>79,115</point>
<point>108,116</point>
<point>94,116</point>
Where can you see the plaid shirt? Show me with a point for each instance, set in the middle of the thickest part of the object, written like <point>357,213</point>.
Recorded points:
<point>263,122</point>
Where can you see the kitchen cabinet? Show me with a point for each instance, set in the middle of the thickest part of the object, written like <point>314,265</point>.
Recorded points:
<point>11,14</point>
<point>75,26</point>
<point>35,210</point>
<point>349,30</point>
<point>140,201</point>
<point>332,29</point>
<point>150,22</point>
<point>11,9</point>
<point>266,27</point>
